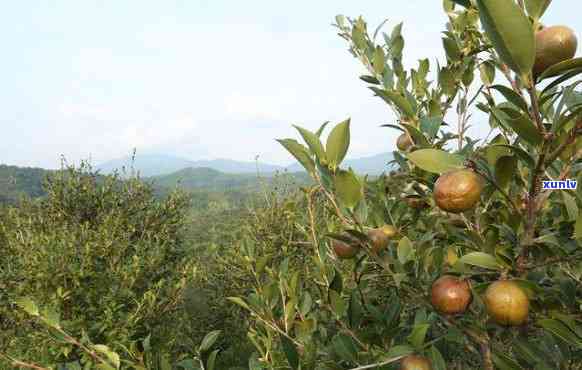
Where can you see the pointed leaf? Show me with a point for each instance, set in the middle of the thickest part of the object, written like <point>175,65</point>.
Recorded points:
<point>404,250</point>
<point>313,143</point>
<point>394,98</point>
<point>299,152</point>
<point>561,68</point>
<point>512,97</point>
<point>481,259</point>
<point>537,8</point>
<point>28,306</point>
<point>348,188</point>
<point>338,143</point>
<point>510,32</point>
<point>435,160</point>
<point>209,340</point>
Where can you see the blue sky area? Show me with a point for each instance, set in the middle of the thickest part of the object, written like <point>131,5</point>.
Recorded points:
<point>197,79</point>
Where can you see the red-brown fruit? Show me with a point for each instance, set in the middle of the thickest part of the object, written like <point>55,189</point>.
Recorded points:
<point>450,295</point>
<point>458,190</point>
<point>344,250</point>
<point>506,303</point>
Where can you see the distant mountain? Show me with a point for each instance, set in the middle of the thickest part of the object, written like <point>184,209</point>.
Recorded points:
<point>159,164</point>
<point>211,179</point>
<point>373,165</point>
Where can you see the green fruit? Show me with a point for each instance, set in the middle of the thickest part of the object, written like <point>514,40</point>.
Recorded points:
<point>403,143</point>
<point>506,303</point>
<point>458,190</point>
<point>450,295</point>
<point>554,44</point>
<point>413,362</point>
<point>344,250</point>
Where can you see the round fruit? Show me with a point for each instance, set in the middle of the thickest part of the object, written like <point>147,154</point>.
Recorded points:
<point>413,362</point>
<point>415,202</point>
<point>403,142</point>
<point>554,44</point>
<point>507,303</point>
<point>458,190</point>
<point>380,237</point>
<point>450,295</point>
<point>344,250</point>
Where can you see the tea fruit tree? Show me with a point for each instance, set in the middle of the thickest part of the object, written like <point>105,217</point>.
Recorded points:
<point>460,259</point>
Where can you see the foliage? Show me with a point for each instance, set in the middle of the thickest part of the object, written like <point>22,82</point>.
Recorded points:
<point>311,310</point>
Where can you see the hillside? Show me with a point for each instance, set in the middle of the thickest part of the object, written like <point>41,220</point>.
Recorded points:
<point>159,164</point>
<point>211,179</point>
<point>18,181</point>
<point>373,165</point>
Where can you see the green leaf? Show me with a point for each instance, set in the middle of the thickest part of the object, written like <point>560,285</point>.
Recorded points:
<point>313,143</point>
<point>348,188</point>
<point>299,152</point>
<point>337,303</point>
<point>370,79</point>
<point>404,250</point>
<point>561,331</point>
<point>452,49</point>
<point>505,168</point>
<point>394,98</point>
<point>510,32</point>
<point>520,123</point>
<point>520,153</point>
<point>239,301</point>
<point>416,338</point>
<point>571,206</point>
<point>379,61</point>
<point>111,356</point>
<point>290,352</point>
<point>430,126</point>
<point>578,227</point>
<point>321,128</point>
<point>344,347</point>
<point>417,136</point>
<point>337,282</point>
<point>435,160</point>
<point>400,351</point>
<point>436,359</point>
<point>209,340</point>
<point>504,362</point>
<point>561,68</point>
<point>28,306</point>
<point>338,142</point>
<point>512,97</point>
<point>537,8</point>
<point>487,72</point>
<point>211,361</point>
<point>481,259</point>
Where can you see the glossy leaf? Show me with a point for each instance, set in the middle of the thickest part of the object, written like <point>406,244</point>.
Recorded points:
<point>512,97</point>
<point>520,123</point>
<point>300,153</point>
<point>396,99</point>
<point>487,72</point>
<point>481,259</point>
<point>510,32</point>
<point>348,188</point>
<point>209,341</point>
<point>404,250</point>
<point>338,143</point>
<point>435,160</point>
<point>313,143</point>
<point>418,335</point>
<point>561,68</point>
<point>504,170</point>
<point>561,331</point>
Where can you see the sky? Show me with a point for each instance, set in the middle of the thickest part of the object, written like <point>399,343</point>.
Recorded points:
<point>193,78</point>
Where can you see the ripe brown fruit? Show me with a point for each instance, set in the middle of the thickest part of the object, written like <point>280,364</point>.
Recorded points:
<point>554,44</point>
<point>344,250</point>
<point>414,362</point>
<point>458,190</point>
<point>506,303</point>
<point>403,142</point>
<point>380,237</point>
<point>415,202</point>
<point>450,295</point>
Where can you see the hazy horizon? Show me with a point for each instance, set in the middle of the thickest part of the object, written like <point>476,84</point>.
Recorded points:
<point>198,79</point>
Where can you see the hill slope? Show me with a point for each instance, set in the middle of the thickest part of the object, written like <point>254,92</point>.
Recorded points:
<point>157,164</point>
<point>18,181</point>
